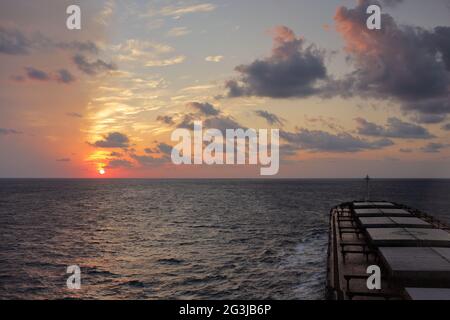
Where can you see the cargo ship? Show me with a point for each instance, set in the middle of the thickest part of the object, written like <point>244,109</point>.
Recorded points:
<point>409,248</point>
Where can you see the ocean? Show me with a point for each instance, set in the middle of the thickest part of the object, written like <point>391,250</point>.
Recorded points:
<point>180,239</point>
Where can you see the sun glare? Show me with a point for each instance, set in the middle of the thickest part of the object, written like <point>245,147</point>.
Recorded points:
<point>102,171</point>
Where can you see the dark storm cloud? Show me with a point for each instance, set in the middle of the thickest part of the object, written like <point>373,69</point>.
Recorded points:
<point>206,109</point>
<point>395,128</point>
<point>92,68</point>
<point>405,63</point>
<point>271,118</point>
<point>292,70</point>
<point>113,140</point>
<point>324,141</point>
<point>433,147</point>
<point>36,74</point>
<point>5,131</point>
<point>64,76</point>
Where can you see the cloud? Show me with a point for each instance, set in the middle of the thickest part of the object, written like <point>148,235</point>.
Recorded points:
<point>80,46</point>
<point>113,140</point>
<point>317,140</point>
<point>429,118</point>
<point>165,62</point>
<point>433,147</point>
<point>446,127</point>
<point>148,160</point>
<point>406,150</point>
<point>161,148</point>
<point>36,74</point>
<point>17,78</point>
<point>64,76</point>
<point>150,151</point>
<point>187,121</point>
<point>405,63</point>
<point>222,123</point>
<point>433,106</point>
<point>13,42</point>
<point>210,116</point>
<point>115,154</point>
<point>119,163</point>
<point>63,160</point>
<point>392,3</point>
<point>271,118</point>
<point>214,58</point>
<point>92,68</point>
<point>329,122</point>
<point>206,109</point>
<point>74,115</point>
<point>166,120</point>
<point>151,54</point>
<point>395,128</point>
<point>181,10</point>
<point>5,132</point>
<point>292,70</point>
<point>106,13</point>
<point>178,32</point>
<point>165,149</point>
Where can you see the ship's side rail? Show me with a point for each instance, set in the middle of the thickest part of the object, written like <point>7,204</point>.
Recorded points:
<point>400,232</point>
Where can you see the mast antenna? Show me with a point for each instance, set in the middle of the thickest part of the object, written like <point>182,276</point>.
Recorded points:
<point>367,188</point>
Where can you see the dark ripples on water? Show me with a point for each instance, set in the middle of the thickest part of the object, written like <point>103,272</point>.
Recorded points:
<point>143,239</point>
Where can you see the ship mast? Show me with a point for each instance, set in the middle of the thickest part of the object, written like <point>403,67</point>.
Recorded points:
<point>367,188</point>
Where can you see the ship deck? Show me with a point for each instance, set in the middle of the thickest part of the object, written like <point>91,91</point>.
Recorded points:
<point>411,248</point>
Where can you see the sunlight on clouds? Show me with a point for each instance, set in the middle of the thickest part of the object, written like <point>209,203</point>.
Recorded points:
<point>214,58</point>
<point>98,155</point>
<point>178,11</point>
<point>166,62</point>
<point>139,50</point>
<point>178,32</point>
<point>106,13</point>
<point>199,88</point>
<point>150,54</point>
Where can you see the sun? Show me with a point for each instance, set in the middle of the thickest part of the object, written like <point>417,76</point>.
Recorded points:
<point>102,171</point>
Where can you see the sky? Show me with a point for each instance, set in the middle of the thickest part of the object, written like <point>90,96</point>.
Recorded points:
<point>348,101</point>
